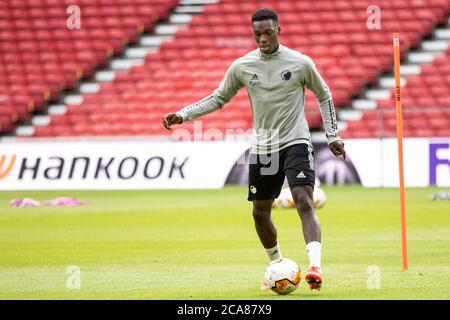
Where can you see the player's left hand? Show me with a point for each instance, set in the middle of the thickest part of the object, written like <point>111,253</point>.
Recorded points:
<point>170,119</point>
<point>337,148</point>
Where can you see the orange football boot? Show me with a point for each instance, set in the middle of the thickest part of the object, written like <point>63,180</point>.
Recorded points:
<point>314,278</point>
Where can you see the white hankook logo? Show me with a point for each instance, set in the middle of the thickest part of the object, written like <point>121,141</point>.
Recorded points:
<point>252,189</point>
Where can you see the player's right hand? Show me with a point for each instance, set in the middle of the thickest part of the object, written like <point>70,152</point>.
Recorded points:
<point>170,119</point>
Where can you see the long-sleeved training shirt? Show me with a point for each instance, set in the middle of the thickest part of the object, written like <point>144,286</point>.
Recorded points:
<point>276,87</point>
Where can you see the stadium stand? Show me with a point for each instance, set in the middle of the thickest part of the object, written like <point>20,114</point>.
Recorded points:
<point>425,101</point>
<point>40,56</point>
<point>189,67</point>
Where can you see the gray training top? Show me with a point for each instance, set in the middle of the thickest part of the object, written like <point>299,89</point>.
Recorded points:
<point>276,86</point>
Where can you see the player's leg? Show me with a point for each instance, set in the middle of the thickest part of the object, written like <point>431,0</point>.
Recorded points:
<point>265,228</point>
<point>299,169</point>
<point>264,186</point>
<point>265,182</point>
<point>304,202</point>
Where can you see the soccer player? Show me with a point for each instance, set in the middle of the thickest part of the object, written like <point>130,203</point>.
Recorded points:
<point>275,78</point>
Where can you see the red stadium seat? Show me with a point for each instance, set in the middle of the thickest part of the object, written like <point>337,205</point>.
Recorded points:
<point>39,57</point>
<point>33,33</point>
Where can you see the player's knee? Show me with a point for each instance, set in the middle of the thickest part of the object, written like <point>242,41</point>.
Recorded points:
<point>261,211</point>
<point>304,204</point>
<point>261,215</point>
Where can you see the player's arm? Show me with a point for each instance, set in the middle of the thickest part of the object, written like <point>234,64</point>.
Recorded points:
<point>315,83</point>
<point>227,89</point>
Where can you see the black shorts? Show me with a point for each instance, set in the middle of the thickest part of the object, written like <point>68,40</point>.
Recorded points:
<point>268,171</point>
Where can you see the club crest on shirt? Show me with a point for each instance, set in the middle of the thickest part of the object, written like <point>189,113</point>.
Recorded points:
<point>255,81</point>
<point>286,75</point>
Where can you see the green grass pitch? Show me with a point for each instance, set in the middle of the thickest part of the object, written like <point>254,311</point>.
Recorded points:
<point>201,244</point>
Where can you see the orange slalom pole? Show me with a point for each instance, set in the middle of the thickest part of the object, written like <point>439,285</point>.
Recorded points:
<point>398,106</point>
